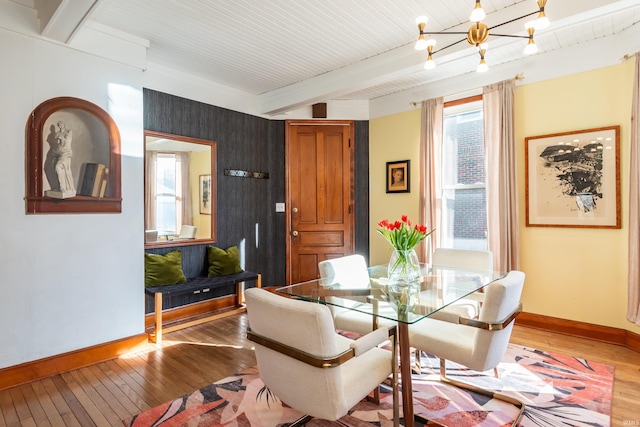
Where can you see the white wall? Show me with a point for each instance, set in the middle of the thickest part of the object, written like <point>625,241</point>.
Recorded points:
<point>68,281</point>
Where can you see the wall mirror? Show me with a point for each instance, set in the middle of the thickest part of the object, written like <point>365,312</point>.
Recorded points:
<point>180,190</point>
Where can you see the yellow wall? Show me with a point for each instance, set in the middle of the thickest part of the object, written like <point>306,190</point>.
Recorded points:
<point>392,138</point>
<point>572,273</point>
<point>199,164</point>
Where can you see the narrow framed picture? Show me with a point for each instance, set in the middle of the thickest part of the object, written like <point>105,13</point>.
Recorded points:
<point>398,177</point>
<point>205,194</point>
<point>573,179</point>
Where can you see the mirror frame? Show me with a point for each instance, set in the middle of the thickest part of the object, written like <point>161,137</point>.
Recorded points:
<point>214,180</point>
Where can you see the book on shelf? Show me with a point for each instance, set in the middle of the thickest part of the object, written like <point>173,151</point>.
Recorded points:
<point>92,172</point>
<point>105,181</point>
<point>95,192</point>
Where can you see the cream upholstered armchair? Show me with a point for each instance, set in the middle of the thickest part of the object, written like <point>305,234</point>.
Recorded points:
<point>462,258</point>
<point>351,271</point>
<point>473,260</point>
<point>349,268</point>
<point>305,363</point>
<point>188,232</point>
<point>477,344</point>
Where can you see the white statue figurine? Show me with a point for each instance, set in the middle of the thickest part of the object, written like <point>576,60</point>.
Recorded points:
<point>62,163</point>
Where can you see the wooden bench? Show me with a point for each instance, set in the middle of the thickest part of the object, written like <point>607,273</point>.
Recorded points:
<point>199,285</point>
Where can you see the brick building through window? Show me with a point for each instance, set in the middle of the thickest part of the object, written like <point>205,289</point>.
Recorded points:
<point>464,217</point>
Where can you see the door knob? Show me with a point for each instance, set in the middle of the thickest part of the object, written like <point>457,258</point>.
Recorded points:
<point>294,210</point>
<point>294,233</point>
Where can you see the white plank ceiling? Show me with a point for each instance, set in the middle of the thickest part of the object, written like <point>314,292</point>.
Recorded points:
<point>292,53</point>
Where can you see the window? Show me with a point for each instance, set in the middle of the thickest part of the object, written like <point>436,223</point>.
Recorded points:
<point>168,182</point>
<point>464,204</point>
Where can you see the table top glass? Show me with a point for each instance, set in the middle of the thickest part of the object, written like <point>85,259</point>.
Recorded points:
<point>375,295</point>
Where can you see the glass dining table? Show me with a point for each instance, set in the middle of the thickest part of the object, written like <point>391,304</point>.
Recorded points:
<point>404,303</point>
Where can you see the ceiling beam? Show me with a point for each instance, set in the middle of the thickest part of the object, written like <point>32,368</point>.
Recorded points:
<point>61,19</point>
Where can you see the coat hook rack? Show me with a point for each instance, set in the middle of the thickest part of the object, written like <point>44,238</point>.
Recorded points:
<point>246,174</point>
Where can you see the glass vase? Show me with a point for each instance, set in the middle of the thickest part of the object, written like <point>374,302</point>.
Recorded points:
<point>404,297</point>
<point>403,266</point>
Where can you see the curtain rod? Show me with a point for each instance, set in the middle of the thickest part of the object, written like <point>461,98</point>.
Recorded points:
<point>519,76</point>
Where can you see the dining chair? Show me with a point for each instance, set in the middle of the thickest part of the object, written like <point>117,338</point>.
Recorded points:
<point>304,362</point>
<point>478,344</point>
<point>474,260</point>
<point>350,271</point>
<point>188,232</point>
<point>471,260</point>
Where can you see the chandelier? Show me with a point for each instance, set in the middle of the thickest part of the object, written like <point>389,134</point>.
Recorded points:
<point>479,33</point>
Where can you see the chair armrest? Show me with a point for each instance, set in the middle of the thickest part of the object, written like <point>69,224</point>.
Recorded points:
<point>446,316</point>
<point>497,326</point>
<point>309,359</point>
<point>372,339</point>
<point>466,308</point>
<point>381,334</point>
<point>476,296</point>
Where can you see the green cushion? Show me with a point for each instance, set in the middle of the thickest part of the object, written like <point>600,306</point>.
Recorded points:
<point>223,262</point>
<point>164,269</point>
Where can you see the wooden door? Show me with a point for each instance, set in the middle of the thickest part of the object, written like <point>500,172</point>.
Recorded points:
<point>319,156</point>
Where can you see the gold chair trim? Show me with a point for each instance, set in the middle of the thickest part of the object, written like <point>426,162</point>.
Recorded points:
<point>497,326</point>
<point>310,359</point>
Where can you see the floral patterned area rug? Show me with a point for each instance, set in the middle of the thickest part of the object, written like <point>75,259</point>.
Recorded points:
<point>558,390</point>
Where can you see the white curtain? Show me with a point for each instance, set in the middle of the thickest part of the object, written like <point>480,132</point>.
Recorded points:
<point>430,173</point>
<point>633,304</point>
<point>500,153</point>
<point>182,158</point>
<point>150,190</point>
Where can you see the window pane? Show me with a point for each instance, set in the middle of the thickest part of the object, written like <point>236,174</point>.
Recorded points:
<point>464,219</point>
<point>166,174</point>
<point>166,214</point>
<point>166,209</point>
<point>463,151</point>
<point>464,205</point>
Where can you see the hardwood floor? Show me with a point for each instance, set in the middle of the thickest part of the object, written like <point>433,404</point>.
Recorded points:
<point>106,393</point>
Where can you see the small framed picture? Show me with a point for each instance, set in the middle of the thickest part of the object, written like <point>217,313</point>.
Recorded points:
<point>573,179</point>
<point>398,176</point>
<point>205,194</point>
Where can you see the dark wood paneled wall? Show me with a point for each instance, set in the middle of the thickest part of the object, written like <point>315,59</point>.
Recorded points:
<point>255,144</point>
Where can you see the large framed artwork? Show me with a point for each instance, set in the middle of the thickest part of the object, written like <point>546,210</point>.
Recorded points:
<point>398,176</point>
<point>73,158</point>
<point>573,179</point>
